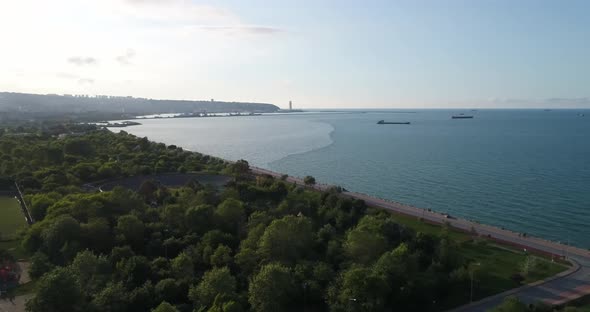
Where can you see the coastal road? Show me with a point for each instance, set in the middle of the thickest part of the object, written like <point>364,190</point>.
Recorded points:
<point>562,288</point>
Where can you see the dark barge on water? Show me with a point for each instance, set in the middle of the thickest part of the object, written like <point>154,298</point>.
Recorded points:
<point>383,122</point>
<point>461,116</point>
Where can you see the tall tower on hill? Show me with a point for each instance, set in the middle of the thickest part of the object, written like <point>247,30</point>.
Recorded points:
<point>290,105</point>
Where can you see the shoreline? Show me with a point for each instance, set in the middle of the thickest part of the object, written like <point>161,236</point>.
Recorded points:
<point>437,217</point>
<point>513,206</point>
<point>559,289</point>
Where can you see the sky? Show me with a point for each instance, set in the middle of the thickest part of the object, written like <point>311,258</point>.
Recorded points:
<point>319,54</point>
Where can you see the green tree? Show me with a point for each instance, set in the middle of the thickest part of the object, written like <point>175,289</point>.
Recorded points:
<point>511,304</point>
<point>79,147</point>
<point>97,234</point>
<point>217,281</point>
<point>148,189</point>
<point>40,264</point>
<point>91,271</point>
<point>309,180</point>
<point>287,239</point>
<point>57,291</point>
<point>366,242</point>
<point>130,229</point>
<point>40,203</point>
<point>165,307</point>
<point>231,214</point>
<point>167,290</point>
<point>240,168</point>
<point>182,266</point>
<point>113,298</point>
<point>360,290</point>
<point>198,219</point>
<point>174,216</point>
<point>221,257</point>
<point>528,265</point>
<point>222,304</point>
<point>133,271</point>
<point>120,253</point>
<point>272,289</point>
<point>63,231</point>
<point>142,298</point>
<point>247,259</point>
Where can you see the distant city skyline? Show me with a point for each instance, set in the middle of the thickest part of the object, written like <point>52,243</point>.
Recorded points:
<point>318,54</point>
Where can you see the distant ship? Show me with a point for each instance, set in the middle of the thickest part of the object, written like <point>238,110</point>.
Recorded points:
<point>383,122</point>
<point>462,116</point>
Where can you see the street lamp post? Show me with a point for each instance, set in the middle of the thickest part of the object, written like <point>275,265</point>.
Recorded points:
<point>471,275</point>
<point>304,301</point>
<point>353,300</point>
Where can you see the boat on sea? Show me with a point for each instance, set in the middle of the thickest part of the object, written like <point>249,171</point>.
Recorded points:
<point>383,122</point>
<point>461,116</point>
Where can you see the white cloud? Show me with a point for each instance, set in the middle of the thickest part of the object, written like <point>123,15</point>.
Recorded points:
<point>125,59</point>
<point>180,49</point>
<point>182,13</point>
<point>80,80</point>
<point>82,60</point>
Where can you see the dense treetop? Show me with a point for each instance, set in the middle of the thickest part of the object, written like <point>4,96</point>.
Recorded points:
<point>42,162</point>
<point>258,243</point>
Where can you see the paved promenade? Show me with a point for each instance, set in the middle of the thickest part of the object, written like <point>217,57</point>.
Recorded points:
<point>562,288</point>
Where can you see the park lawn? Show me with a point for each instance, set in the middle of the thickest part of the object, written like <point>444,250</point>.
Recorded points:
<point>429,228</point>
<point>498,261</point>
<point>11,217</point>
<point>14,248</point>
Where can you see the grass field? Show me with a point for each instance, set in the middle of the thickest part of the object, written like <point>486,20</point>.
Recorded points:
<point>14,248</point>
<point>11,217</point>
<point>499,262</point>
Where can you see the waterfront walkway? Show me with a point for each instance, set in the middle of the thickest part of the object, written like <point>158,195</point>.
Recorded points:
<point>562,288</point>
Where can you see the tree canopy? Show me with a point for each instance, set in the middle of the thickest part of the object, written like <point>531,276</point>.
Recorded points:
<point>257,243</point>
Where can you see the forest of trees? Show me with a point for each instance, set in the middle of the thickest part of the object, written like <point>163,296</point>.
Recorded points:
<point>257,244</point>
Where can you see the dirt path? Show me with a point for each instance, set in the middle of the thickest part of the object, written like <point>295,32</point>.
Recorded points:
<point>19,303</point>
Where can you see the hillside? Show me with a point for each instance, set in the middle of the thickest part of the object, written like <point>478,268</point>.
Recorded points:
<point>26,106</point>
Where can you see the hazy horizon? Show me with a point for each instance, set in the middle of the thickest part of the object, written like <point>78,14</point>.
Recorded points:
<point>328,55</point>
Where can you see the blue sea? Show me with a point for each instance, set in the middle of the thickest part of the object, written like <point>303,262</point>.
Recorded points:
<point>525,170</point>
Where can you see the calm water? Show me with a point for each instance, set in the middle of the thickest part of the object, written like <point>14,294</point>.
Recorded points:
<point>526,170</point>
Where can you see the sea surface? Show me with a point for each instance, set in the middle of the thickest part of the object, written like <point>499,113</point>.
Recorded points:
<point>524,170</point>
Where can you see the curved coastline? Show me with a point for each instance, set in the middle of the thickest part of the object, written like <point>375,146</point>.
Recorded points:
<point>316,136</point>
<point>413,177</point>
<point>529,293</point>
<point>564,287</point>
<point>330,134</point>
